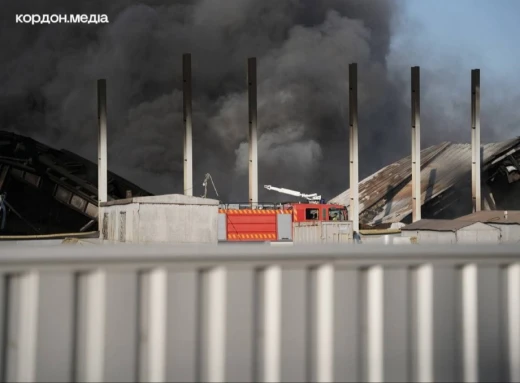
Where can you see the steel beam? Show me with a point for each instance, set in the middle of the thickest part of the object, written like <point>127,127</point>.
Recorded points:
<point>188,134</point>
<point>416,144</point>
<point>102,148</point>
<point>476,192</point>
<point>353,141</point>
<point>253,130</point>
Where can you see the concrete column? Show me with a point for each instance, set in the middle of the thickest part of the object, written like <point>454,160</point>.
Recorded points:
<point>187,104</point>
<point>476,170</point>
<point>253,130</point>
<point>102,148</point>
<point>353,141</point>
<point>416,144</point>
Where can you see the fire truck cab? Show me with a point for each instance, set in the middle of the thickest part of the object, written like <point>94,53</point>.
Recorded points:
<point>318,212</point>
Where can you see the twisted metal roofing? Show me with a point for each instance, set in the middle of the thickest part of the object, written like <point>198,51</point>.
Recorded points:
<point>386,196</point>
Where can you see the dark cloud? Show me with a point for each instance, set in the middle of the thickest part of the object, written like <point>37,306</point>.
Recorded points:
<point>48,75</point>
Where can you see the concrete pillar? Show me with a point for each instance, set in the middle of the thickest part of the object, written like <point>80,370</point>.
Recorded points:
<point>102,148</point>
<point>476,170</point>
<point>416,144</point>
<point>187,108</point>
<point>253,130</point>
<point>353,141</point>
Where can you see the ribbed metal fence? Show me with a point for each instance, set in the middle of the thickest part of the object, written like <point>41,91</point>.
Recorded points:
<point>260,313</point>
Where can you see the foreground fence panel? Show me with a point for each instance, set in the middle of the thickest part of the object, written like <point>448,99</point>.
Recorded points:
<point>260,313</point>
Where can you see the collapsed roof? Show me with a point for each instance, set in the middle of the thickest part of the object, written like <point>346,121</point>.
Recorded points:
<point>51,191</point>
<point>386,196</point>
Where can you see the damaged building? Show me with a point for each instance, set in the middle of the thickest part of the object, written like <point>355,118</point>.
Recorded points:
<point>386,196</point>
<point>47,191</point>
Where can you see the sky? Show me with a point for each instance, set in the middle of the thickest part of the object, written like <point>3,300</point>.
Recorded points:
<point>447,39</point>
<point>485,30</point>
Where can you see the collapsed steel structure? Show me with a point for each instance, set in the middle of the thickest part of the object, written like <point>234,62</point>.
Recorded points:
<point>70,180</point>
<point>445,180</point>
<point>51,191</point>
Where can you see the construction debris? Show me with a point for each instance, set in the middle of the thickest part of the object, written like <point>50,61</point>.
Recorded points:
<point>51,191</point>
<point>386,196</point>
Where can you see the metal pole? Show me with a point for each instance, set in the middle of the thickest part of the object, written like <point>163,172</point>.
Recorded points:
<point>475,141</point>
<point>416,144</point>
<point>188,139</point>
<point>253,133</point>
<point>102,148</point>
<point>353,141</point>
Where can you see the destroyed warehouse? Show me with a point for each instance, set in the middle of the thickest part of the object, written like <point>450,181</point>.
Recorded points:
<point>46,191</point>
<point>386,196</point>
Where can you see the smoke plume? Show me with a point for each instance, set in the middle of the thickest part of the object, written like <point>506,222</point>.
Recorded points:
<point>303,47</point>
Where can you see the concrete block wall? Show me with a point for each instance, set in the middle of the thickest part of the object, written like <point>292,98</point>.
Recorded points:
<point>510,233</point>
<point>160,219</point>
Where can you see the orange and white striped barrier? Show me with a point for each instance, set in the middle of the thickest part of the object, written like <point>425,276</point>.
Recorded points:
<point>254,211</point>
<point>252,236</point>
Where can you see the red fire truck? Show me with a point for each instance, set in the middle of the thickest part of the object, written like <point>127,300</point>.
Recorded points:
<point>275,221</point>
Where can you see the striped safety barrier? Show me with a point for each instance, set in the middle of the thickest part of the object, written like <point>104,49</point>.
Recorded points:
<point>254,211</point>
<point>252,236</point>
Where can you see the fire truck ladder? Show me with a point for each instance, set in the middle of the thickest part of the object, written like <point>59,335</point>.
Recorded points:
<point>312,198</point>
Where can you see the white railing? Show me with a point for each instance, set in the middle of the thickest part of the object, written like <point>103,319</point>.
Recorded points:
<point>260,313</point>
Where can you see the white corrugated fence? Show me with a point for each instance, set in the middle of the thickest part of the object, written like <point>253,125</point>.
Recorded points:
<point>246,313</point>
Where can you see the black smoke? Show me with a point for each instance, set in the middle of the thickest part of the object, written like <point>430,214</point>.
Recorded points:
<point>48,76</point>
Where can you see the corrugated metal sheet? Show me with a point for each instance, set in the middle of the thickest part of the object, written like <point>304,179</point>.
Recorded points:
<point>337,232</point>
<point>494,216</point>
<point>307,232</point>
<point>323,232</point>
<point>260,313</point>
<point>386,196</point>
<point>376,186</point>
